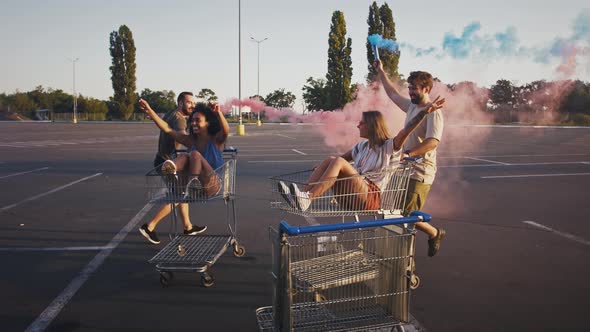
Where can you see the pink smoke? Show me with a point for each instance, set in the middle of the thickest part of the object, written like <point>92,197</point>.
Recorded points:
<point>567,68</point>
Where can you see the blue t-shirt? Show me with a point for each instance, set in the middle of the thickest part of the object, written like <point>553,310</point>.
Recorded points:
<point>212,154</point>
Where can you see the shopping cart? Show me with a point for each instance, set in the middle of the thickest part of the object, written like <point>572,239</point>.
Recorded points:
<point>186,253</point>
<point>342,200</point>
<point>361,282</point>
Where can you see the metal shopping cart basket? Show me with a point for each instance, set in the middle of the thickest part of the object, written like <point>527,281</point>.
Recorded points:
<point>186,253</point>
<point>342,200</point>
<point>359,283</point>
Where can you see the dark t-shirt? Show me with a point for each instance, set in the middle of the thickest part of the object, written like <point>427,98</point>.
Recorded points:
<point>166,143</point>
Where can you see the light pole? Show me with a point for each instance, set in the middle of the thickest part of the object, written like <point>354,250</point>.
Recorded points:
<point>241,128</point>
<point>258,42</point>
<point>75,119</point>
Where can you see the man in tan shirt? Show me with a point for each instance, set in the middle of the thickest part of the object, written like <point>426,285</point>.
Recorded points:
<point>421,143</point>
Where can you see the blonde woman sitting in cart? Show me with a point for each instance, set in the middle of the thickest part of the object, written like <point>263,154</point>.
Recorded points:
<point>372,155</point>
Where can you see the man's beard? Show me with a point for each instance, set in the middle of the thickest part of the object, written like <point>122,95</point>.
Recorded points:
<point>417,99</point>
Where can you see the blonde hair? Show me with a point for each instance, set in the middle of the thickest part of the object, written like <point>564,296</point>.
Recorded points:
<point>376,127</point>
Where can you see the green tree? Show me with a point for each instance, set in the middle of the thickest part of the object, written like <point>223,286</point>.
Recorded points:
<point>160,101</point>
<point>40,97</point>
<point>260,98</point>
<point>503,93</point>
<point>577,100</point>
<point>279,98</point>
<point>94,108</point>
<point>375,27</point>
<point>23,104</point>
<point>314,94</point>
<point>207,94</point>
<point>123,71</point>
<point>339,74</point>
<point>381,22</point>
<point>390,60</point>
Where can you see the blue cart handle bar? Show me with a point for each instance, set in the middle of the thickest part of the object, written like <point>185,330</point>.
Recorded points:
<point>415,216</point>
<point>230,149</point>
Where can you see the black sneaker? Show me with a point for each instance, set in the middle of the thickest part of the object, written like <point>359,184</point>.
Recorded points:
<point>434,243</point>
<point>150,235</point>
<point>195,230</point>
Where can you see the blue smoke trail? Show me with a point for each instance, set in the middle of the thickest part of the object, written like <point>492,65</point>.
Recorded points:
<point>383,43</point>
<point>472,43</point>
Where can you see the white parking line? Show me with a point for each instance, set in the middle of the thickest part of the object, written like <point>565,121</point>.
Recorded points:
<point>283,161</point>
<point>21,173</point>
<point>18,249</point>
<point>302,153</point>
<point>515,164</point>
<point>486,160</point>
<point>285,136</point>
<point>566,235</point>
<point>8,207</point>
<point>49,314</point>
<point>531,175</point>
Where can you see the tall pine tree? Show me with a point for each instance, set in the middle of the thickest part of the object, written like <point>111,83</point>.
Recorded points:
<point>123,71</point>
<point>380,21</point>
<point>339,74</point>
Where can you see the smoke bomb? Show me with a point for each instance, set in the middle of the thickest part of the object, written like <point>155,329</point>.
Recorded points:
<point>376,52</point>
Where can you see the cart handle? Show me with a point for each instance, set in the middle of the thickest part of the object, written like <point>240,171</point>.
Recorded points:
<point>415,216</point>
<point>230,149</point>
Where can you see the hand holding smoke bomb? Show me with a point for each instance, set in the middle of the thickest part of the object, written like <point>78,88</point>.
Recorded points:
<point>376,52</point>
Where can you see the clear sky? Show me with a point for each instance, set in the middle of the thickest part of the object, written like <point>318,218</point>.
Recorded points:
<point>193,44</point>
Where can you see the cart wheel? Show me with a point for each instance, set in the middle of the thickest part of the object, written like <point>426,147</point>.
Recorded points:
<point>414,282</point>
<point>165,278</point>
<point>239,251</point>
<point>207,281</point>
<point>398,328</point>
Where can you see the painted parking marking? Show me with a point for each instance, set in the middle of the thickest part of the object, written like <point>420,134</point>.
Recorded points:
<point>486,160</point>
<point>8,207</point>
<point>91,248</point>
<point>285,136</point>
<point>301,153</point>
<point>282,161</point>
<point>49,314</point>
<point>516,164</point>
<point>562,234</point>
<point>532,175</point>
<point>26,172</point>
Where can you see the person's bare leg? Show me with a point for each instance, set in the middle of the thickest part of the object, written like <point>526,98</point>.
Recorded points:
<point>317,172</point>
<point>163,212</point>
<point>338,168</point>
<point>184,214</point>
<point>180,161</point>
<point>427,228</point>
<point>196,163</point>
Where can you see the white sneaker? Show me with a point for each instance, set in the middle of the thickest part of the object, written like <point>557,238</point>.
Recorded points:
<point>168,167</point>
<point>286,193</point>
<point>301,197</point>
<point>194,189</point>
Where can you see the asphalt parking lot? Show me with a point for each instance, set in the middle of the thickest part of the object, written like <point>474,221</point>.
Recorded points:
<point>512,199</point>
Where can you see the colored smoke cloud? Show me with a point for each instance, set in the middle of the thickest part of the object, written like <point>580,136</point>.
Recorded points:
<point>572,51</point>
<point>383,43</point>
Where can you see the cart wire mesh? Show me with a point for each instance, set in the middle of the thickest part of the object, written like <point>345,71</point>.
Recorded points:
<point>175,188</point>
<point>341,199</point>
<point>341,280</point>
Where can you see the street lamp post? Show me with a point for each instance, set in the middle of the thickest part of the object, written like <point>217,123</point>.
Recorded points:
<point>241,128</point>
<point>75,119</point>
<point>258,42</point>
